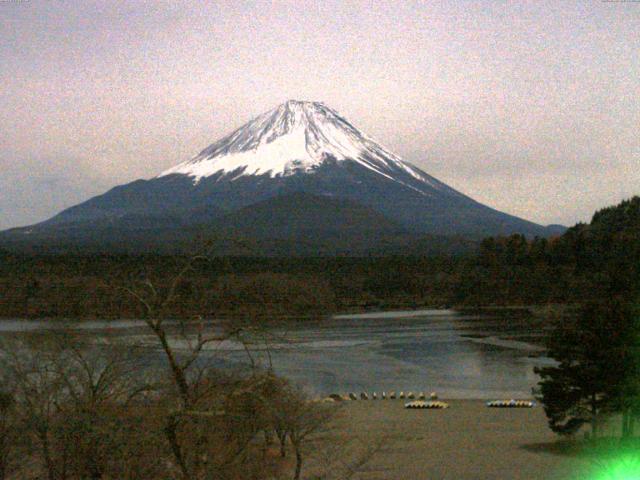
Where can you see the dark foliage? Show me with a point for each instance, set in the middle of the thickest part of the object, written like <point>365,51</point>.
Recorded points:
<point>598,353</point>
<point>587,262</point>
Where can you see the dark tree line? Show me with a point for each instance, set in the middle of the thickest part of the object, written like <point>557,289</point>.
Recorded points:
<point>586,262</point>
<point>597,348</point>
<point>597,344</point>
<point>83,286</point>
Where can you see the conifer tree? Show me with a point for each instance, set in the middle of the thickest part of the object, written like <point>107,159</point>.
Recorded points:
<point>597,351</point>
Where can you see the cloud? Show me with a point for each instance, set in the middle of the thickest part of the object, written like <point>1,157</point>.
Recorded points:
<point>530,107</point>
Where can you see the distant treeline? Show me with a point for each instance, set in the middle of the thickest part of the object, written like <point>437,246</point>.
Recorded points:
<point>94,286</point>
<point>587,262</point>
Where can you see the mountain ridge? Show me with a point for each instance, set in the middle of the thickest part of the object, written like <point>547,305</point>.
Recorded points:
<point>313,132</point>
<point>295,147</point>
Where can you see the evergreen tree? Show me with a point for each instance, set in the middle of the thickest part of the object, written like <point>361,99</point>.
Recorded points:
<point>597,371</point>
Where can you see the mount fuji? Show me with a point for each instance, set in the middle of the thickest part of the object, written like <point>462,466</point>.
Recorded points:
<point>300,173</point>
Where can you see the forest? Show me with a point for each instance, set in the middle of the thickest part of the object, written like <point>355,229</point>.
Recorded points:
<point>587,262</point>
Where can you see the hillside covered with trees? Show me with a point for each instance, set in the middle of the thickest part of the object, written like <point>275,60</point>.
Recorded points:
<point>589,261</point>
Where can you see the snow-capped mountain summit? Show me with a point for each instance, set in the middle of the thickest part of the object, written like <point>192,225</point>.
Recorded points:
<point>295,137</point>
<point>300,171</point>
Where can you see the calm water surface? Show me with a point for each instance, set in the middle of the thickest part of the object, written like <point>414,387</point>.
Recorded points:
<point>455,354</point>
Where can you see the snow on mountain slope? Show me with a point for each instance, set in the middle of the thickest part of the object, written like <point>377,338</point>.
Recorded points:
<point>296,148</point>
<point>295,137</point>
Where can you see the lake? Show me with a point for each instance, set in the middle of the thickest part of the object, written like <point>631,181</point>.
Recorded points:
<point>456,354</point>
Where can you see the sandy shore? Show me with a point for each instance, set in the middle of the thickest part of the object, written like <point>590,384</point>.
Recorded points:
<point>466,441</point>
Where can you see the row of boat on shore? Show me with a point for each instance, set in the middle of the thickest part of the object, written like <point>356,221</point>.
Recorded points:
<point>383,396</point>
<point>420,400</point>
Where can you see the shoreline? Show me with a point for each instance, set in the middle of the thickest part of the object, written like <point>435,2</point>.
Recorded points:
<point>465,441</point>
<point>388,311</point>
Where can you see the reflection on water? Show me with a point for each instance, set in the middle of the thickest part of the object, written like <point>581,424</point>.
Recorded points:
<point>430,352</point>
<point>456,355</point>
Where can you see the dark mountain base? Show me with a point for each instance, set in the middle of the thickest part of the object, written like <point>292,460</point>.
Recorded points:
<point>296,224</point>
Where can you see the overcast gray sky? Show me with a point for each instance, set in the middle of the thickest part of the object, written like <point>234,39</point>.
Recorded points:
<point>532,107</point>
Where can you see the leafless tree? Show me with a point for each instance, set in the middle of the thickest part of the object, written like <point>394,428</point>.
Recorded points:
<point>38,391</point>
<point>71,399</point>
<point>296,418</point>
<point>212,427</point>
<point>205,408</point>
<point>9,432</point>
